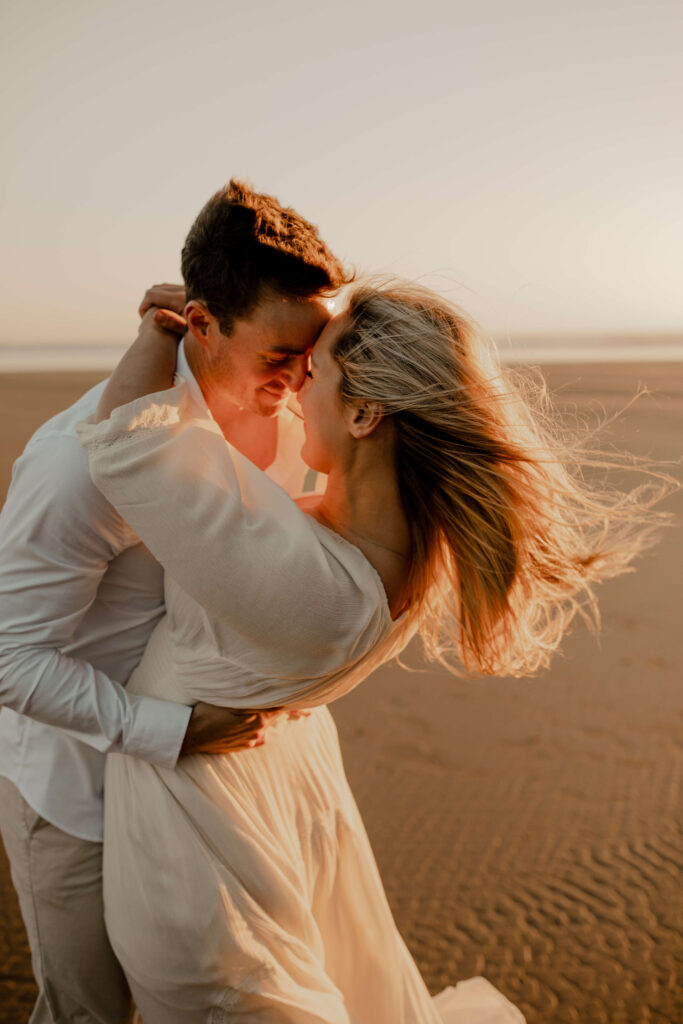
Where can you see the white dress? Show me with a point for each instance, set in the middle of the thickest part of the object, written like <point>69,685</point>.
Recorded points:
<point>243,887</point>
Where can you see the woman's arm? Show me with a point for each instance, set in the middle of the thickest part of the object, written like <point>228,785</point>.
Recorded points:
<point>232,539</point>
<point>147,367</point>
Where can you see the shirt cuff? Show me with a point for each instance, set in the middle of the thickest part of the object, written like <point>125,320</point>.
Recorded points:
<point>158,731</point>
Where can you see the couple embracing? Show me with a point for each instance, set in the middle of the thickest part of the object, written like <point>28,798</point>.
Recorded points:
<point>179,608</point>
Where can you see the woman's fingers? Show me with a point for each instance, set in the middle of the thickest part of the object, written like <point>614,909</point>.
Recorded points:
<point>168,296</point>
<point>170,321</point>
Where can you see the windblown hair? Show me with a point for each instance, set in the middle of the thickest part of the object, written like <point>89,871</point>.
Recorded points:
<point>508,538</point>
<point>243,244</point>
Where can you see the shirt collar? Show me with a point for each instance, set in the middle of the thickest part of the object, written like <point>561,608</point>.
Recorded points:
<point>183,370</point>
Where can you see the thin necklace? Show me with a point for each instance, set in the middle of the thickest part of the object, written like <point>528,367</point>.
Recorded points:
<point>349,529</point>
<point>371,541</point>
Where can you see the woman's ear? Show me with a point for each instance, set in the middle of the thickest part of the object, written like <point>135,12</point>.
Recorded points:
<point>363,419</point>
<point>198,321</point>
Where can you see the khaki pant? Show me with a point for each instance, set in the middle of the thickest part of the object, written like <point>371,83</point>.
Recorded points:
<point>58,879</point>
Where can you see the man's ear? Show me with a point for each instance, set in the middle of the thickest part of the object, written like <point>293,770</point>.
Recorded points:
<point>363,419</point>
<point>199,321</point>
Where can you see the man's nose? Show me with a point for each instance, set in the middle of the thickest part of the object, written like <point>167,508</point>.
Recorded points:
<point>295,373</point>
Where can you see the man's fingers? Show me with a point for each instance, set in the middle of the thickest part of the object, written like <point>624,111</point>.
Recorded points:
<point>214,730</point>
<point>235,747</point>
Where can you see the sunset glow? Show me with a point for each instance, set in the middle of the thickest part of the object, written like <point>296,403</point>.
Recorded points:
<point>526,159</point>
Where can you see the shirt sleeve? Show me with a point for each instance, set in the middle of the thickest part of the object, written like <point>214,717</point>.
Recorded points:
<point>230,536</point>
<point>57,537</point>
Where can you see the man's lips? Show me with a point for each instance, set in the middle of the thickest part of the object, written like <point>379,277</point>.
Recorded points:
<point>275,392</point>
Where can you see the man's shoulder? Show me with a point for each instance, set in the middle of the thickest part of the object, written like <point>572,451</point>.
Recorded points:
<point>51,483</point>
<point>53,461</point>
<point>63,424</point>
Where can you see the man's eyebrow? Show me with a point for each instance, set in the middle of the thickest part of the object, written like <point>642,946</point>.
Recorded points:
<point>284,350</point>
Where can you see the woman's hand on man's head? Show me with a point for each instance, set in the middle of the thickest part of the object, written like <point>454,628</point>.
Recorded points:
<point>170,321</point>
<point>166,303</point>
<point>165,296</point>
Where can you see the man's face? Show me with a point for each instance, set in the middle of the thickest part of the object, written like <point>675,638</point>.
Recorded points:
<point>265,358</point>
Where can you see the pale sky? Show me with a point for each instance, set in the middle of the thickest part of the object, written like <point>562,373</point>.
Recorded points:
<point>525,157</point>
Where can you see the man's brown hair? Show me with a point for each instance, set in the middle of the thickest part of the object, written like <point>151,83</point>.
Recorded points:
<point>244,243</point>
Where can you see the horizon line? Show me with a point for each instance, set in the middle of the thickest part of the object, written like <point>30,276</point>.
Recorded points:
<point>500,337</point>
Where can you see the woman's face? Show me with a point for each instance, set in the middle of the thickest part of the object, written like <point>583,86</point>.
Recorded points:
<point>325,422</point>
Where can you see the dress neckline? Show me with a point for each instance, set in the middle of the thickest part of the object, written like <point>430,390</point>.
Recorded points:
<point>366,561</point>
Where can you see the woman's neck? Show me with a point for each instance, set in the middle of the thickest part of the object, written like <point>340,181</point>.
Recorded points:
<point>362,502</point>
<point>365,508</point>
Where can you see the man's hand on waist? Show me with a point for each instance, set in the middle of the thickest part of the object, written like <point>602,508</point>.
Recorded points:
<point>214,730</point>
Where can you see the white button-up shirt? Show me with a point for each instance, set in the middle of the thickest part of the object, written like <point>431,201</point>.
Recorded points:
<point>79,597</point>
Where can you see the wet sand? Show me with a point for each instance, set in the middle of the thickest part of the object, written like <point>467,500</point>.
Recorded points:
<point>527,830</point>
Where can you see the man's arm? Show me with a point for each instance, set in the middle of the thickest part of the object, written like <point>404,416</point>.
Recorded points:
<point>57,537</point>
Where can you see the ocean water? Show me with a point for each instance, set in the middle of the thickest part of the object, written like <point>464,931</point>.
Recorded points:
<point>598,348</point>
<point>584,348</point>
<point>43,358</point>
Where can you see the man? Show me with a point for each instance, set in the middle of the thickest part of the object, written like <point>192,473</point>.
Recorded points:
<point>81,595</point>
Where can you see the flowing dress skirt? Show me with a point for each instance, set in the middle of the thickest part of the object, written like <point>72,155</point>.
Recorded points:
<point>243,888</point>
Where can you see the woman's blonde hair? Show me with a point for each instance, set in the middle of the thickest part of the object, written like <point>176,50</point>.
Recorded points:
<point>507,536</point>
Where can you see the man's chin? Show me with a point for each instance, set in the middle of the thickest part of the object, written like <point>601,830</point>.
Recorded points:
<point>270,404</point>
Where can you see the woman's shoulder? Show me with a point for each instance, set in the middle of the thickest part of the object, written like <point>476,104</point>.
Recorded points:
<point>384,569</point>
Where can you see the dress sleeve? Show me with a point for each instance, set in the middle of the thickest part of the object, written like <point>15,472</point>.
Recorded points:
<point>227,534</point>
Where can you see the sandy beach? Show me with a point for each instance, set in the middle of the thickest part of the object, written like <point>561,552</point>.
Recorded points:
<point>527,830</point>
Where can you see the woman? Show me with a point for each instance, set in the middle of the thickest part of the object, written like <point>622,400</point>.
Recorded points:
<point>243,887</point>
